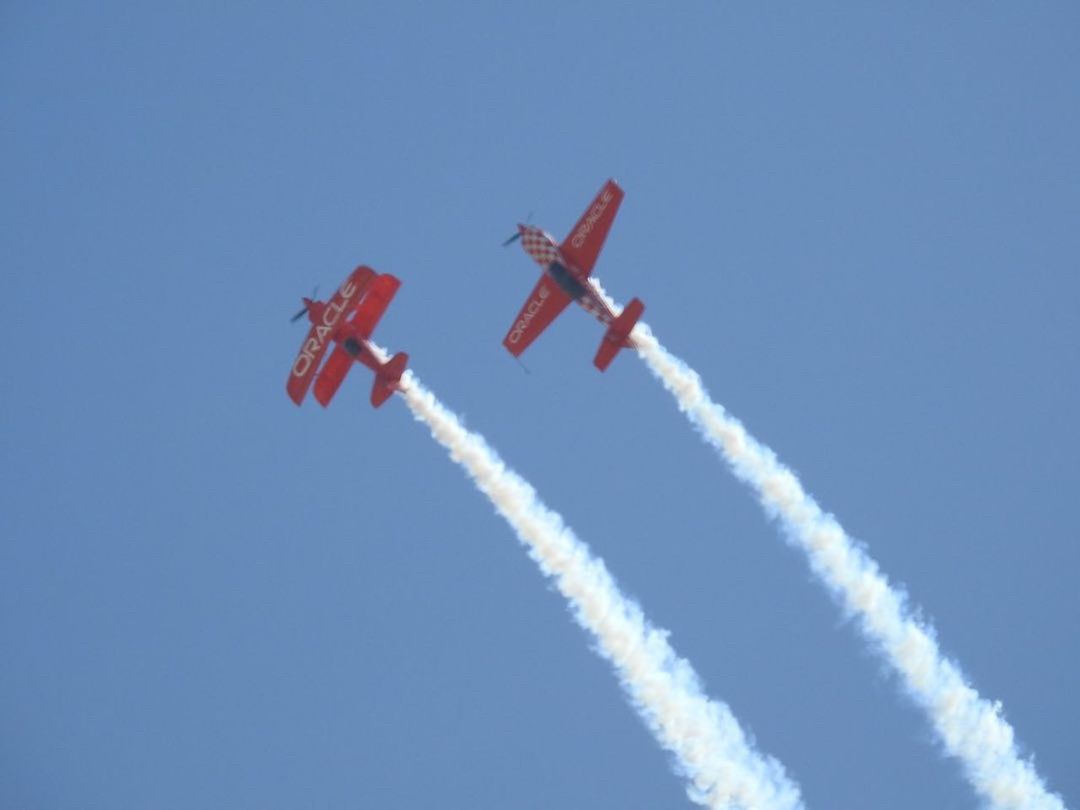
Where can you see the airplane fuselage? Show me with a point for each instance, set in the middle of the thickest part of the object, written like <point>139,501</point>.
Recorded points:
<point>360,350</point>
<point>567,280</point>
<point>545,252</point>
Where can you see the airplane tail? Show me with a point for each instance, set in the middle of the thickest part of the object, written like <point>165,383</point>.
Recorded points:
<point>618,334</point>
<point>386,378</point>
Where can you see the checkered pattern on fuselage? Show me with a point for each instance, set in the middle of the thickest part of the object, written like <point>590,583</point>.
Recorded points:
<point>594,305</point>
<point>539,245</point>
<point>545,250</point>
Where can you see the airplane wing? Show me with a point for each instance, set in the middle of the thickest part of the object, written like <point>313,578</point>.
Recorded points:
<point>543,305</point>
<point>303,369</point>
<point>329,379</point>
<point>380,292</point>
<point>353,288</point>
<point>583,244</point>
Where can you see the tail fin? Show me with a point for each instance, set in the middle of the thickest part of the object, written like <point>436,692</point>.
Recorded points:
<point>618,334</point>
<point>386,378</point>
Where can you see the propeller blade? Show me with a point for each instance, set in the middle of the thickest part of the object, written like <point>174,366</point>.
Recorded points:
<point>513,238</point>
<point>303,312</point>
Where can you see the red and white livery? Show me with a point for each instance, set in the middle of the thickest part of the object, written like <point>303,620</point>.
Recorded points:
<point>347,320</point>
<point>566,278</point>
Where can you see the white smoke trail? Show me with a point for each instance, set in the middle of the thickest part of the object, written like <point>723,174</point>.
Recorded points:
<point>711,750</point>
<point>970,728</point>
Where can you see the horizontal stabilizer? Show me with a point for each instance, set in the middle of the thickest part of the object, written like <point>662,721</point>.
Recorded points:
<point>618,334</point>
<point>387,377</point>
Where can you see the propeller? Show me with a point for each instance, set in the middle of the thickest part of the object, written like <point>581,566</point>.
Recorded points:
<point>303,312</point>
<point>516,236</point>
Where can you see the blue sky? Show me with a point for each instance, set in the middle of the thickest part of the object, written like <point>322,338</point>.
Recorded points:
<point>858,224</point>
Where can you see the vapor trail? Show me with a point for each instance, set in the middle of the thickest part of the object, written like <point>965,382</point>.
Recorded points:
<point>970,728</point>
<point>711,751</point>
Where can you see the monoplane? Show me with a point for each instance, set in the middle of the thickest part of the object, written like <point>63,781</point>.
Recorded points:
<point>565,278</point>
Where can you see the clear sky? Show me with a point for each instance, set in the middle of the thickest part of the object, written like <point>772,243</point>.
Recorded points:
<point>858,222</point>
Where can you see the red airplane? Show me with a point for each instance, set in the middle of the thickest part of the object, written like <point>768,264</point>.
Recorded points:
<point>347,319</point>
<point>566,278</point>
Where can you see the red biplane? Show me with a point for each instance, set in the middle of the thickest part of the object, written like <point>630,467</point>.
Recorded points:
<point>347,319</point>
<point>566,278</point>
